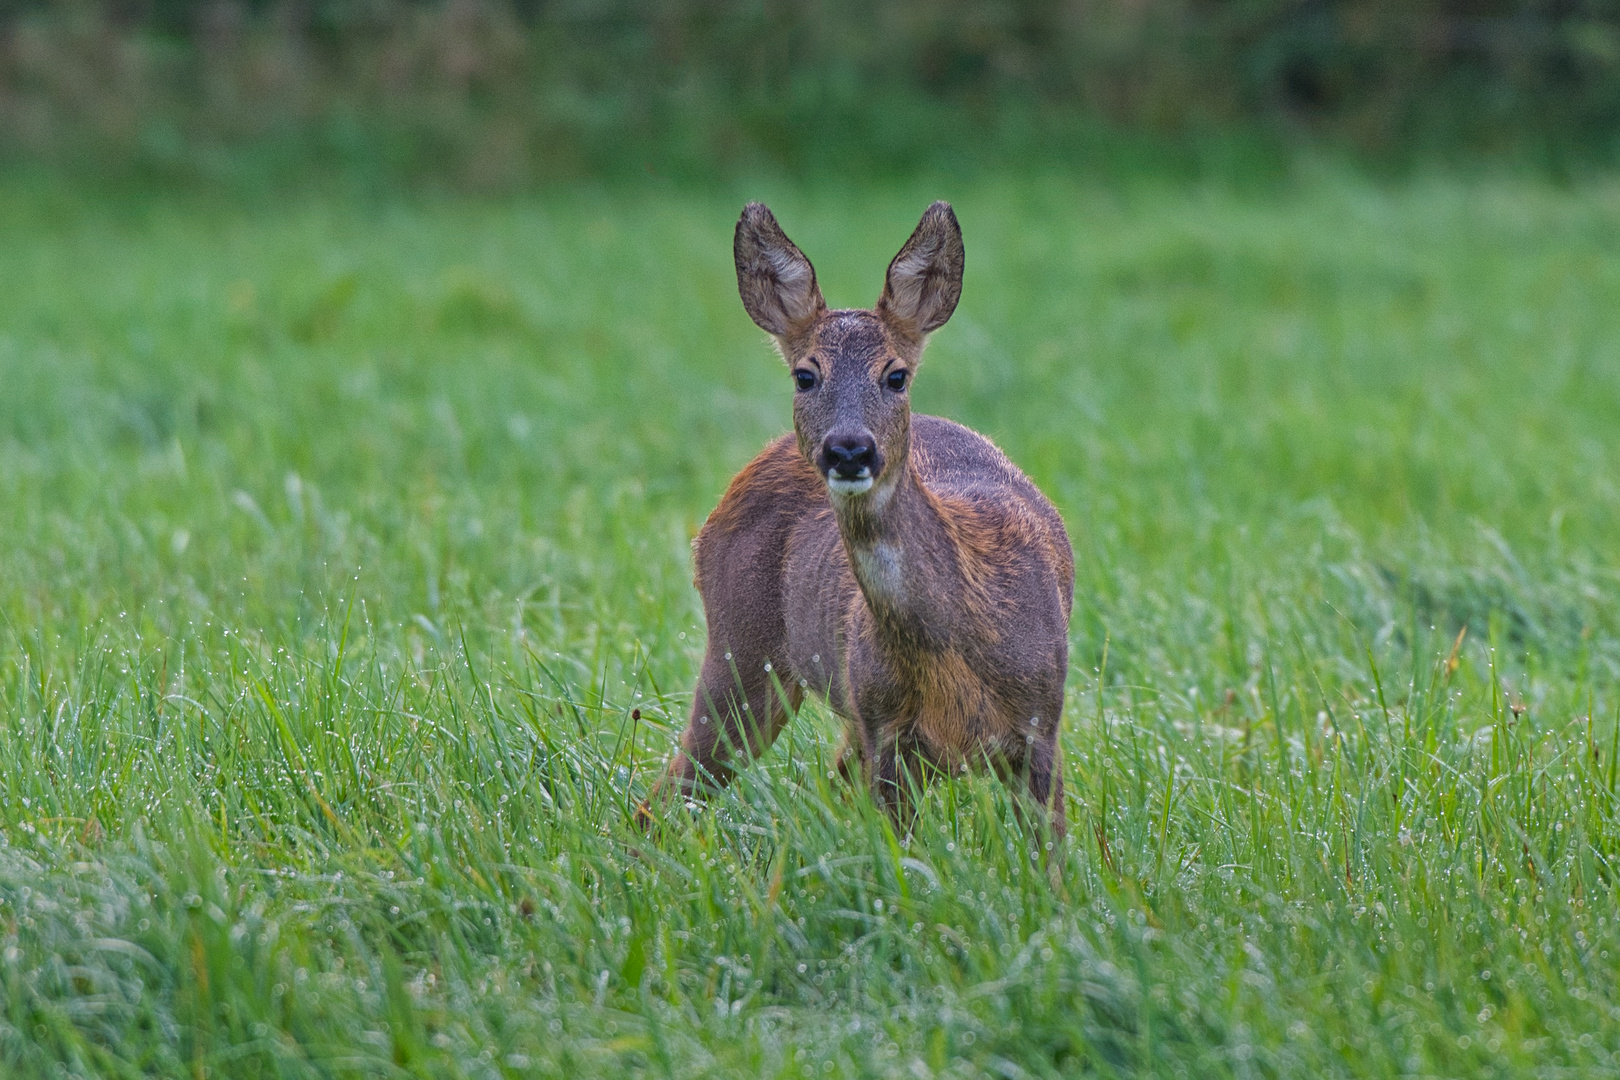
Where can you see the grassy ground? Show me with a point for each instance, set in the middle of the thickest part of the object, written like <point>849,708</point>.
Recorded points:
<point>345,610</point>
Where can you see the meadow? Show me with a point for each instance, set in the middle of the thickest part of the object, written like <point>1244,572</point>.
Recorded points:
<point>345,613</point>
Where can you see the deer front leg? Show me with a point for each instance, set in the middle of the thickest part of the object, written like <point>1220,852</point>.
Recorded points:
<point>738,709</point>
<point>900,770</point>
<point>850,760</point>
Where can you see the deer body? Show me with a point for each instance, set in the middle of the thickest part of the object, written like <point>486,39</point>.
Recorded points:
<point>899,566</point>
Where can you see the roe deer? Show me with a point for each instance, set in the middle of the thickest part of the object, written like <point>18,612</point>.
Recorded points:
<point>899,566</point>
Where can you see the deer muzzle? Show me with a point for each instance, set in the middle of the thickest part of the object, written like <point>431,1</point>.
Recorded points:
<point>851,462</point>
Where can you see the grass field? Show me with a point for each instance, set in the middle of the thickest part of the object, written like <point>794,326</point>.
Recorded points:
<point>345,610</point>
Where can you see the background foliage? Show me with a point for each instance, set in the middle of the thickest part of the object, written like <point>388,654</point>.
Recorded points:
<point>492,93</point>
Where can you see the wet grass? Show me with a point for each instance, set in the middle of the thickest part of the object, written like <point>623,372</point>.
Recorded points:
<point>345,611</point>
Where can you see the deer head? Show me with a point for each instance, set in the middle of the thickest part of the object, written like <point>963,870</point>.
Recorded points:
<point>852,369</point>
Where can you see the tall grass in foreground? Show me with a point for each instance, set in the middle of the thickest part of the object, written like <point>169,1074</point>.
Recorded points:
<point>344,608</point>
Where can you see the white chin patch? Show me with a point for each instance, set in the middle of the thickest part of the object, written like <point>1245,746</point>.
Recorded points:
<point>840,486</point>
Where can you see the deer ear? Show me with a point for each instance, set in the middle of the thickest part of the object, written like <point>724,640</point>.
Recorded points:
<point>777,283</point>
<point>925,278</point>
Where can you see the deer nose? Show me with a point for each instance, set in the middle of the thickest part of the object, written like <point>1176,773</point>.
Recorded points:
<point>849,456</point>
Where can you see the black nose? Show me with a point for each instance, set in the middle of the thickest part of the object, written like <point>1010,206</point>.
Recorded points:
<point>848,455</point>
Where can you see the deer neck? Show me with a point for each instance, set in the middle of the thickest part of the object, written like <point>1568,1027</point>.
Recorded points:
<point>899,550</point>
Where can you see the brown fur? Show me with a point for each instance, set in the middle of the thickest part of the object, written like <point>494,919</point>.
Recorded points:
<point>931,611</point>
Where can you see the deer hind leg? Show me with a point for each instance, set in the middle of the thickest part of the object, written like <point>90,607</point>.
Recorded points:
<point>739,707</point>
<point>1038,771</point>
<point>1043,777</point>
<point>1046,766</point>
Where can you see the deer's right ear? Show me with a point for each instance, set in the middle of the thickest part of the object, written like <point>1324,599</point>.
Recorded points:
<point>777,283</point>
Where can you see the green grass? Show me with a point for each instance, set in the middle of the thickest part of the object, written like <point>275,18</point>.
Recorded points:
<point>341,544</point>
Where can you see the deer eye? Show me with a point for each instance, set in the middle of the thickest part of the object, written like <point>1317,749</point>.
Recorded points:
<point>896,380</point>
<point>805,378</point>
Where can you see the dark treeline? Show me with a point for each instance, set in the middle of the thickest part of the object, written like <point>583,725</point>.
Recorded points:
<point>492,92</point>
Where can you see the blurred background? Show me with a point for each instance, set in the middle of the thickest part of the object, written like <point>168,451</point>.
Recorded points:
<point>496,94</point>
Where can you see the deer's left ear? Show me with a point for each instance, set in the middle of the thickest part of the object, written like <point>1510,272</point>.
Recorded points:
<point>925,278</point>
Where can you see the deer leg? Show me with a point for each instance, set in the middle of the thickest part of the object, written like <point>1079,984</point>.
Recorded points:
<point>851,760</point>
<point>1043,777</point>
<point>898,776</point>
<point>1039,773</point>
<point>737,712</point>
